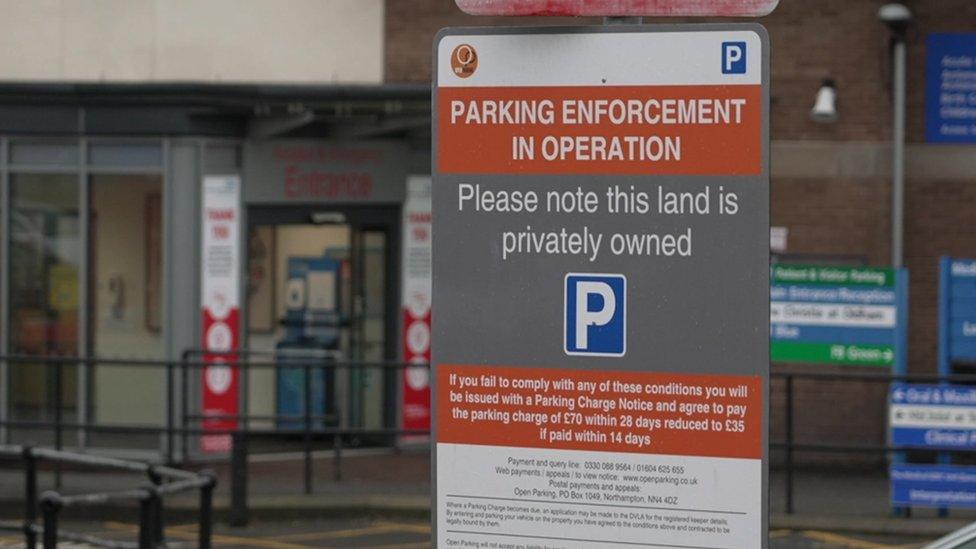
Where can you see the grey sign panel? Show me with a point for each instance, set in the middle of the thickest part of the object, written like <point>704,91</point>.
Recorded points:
<point>325,172</point>
<point>601,286</point>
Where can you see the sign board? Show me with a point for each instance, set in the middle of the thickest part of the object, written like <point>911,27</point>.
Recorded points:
<point>853,316</point>
<point>957,312</point>
<point>601,249</point>
<point>305,171</point>
<point>932,416</point>
<point>416,269</point>
<point>220,294</point>
<point>600,8</point>
<point>941,486</point>
<point>778,237</point>
<point>950,88</point>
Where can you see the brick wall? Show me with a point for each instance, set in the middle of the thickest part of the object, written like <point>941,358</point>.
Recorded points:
<point>836,217</point>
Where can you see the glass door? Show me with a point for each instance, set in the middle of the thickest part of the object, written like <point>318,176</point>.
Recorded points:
<point>322,281</point>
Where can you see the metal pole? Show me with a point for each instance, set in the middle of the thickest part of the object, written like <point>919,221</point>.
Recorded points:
<point>789,445</point>
<point>50,506</point>
<point>58,419</point>
<point>206,511</point>
<point>147,514</point>
<point>4,286</point>
<point>337,449</point>
<point>169,413</point>
<point>898,154</point>
<point>307,371</point>
<point>86,342</point>
<point>157,509</point>
<point>184,405</point>
<point>30,497</point>
<point>238,480</point>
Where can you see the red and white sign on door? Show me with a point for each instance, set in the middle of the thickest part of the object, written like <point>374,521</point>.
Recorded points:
<point>625,8</point>
<point>220,270</point>
<point>416,304</point>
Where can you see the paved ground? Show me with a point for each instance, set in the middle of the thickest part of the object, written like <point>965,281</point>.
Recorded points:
<point>397,534</point>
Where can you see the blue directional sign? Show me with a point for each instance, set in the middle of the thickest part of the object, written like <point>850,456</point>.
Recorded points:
<point>941,486</point>
<point>950,88</point>
<point>932,416</point>
<point>957,312</point>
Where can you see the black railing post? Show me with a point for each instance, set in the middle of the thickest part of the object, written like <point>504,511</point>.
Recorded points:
<point>157,509</point>
<point>238,480</point>
<point>307,435</point>
<point>50,507</point>
<point>30,497</point>
<point>170,438</point>
<point>58,419</point>
<point>337,450</point>
<point>206,510</point>
<point>789,444</point>
<point>185,405</point>
<point>147,516</point>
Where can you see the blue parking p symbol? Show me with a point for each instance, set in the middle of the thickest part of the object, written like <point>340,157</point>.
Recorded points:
<point>595,308</point>
<point>733,57</point>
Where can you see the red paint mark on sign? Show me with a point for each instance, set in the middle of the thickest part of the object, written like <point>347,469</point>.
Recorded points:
<point>724,8</point>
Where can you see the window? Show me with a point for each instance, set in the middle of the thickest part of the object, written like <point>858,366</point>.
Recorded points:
<point>45,262</point>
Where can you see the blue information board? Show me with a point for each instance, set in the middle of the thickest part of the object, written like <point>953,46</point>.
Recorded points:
<point>933,486</point>
<point>950,88</point>
<point>957,312</point>
<point>932,416</point>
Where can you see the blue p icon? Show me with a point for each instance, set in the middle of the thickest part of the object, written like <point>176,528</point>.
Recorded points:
<point>733,57</point>
<point>595,314</point>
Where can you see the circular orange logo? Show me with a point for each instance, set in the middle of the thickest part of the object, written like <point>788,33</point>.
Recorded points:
<point>464,60</point>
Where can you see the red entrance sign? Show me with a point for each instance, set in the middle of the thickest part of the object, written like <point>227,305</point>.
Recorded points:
<point>725,8</point>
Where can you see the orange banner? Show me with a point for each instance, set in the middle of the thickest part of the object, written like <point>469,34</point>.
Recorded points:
<point>612,130</point>
<point>639,412</point>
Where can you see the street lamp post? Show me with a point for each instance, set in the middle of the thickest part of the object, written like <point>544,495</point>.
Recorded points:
<point>897,17</point>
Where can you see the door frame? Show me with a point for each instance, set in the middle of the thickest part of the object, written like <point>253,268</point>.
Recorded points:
<point>383,217</point>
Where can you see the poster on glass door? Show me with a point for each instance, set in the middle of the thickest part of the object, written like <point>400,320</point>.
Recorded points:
<point>415,386</point>
<point>219,290</point>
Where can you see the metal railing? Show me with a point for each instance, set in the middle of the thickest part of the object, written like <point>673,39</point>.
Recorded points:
<point>182,424</point>
<point>179,423</point>
<point>162,481</point>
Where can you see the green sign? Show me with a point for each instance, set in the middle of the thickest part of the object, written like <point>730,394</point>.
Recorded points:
<point>827,353</point>
<point>839,276</point>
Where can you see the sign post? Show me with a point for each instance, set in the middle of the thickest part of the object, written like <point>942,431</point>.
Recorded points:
<point>601,282</point>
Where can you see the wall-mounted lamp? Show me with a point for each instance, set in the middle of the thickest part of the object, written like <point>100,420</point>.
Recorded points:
<point>825,107</point>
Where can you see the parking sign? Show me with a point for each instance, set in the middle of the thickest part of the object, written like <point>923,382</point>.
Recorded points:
<point>596,314</point>
<point>601,287</point>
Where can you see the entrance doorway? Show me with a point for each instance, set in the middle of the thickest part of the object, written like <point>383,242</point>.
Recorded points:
<point>324,281</point>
